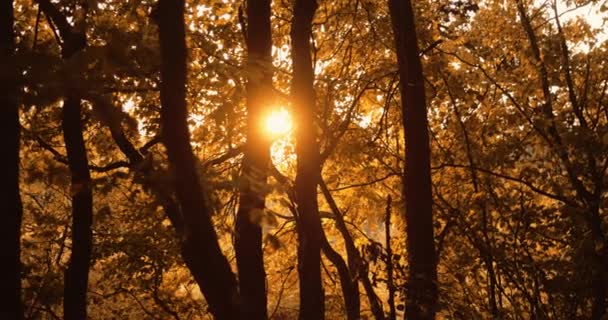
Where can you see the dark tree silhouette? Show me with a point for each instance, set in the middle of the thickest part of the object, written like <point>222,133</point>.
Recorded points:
<point>248,242</point>
<point>138,163</point>
<point>348,278</point>
<point>422,284</point>
<point>308,166</point>
<point>10,200</point>
<point>357,268</point>
<point>347,283</point>
<point>200,248</point>
<point>76,276</point>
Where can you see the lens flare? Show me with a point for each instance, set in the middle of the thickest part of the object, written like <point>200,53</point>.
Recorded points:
<point>278,123</point>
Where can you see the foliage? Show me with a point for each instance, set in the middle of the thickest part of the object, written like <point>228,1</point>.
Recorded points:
<point>519,193</point>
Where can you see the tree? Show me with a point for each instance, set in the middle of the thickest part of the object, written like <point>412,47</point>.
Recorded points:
<point>591,197</point>
<point>199,246</point>
<point>535,224</point>
<point>308,167</point>
<point>76,277</point>
<point>422,287</point>
<point>248,242</point>
<point>10,200</point>
<point>517,126</point>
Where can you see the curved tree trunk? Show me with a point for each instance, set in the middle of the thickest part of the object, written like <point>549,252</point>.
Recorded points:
<point>10,201</point>
<point>308,166</point>
<point>350,295</point>
<point>422,285</point>
<point>200,248</point>
<point>248,242</point>
<point>357,268</point>
<point>137,162</point>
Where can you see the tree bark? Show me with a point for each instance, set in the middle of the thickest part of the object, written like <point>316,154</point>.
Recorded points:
<point>308,164</point>
<point>357,268</point>
<point>138,164</point>
<point>422,285</point>
<point>200,248</point>
<point>348,273</point>
<point>76,276</point>
<point>347,284</point>
<point>10,200</point>
<point>248,242</point>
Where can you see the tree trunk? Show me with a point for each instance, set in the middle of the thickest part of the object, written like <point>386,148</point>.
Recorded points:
<point>308,166</point>
<point>422,284</point>
<point>10,200</point>
<point>350,295</point>
<point>348,273</point>
<point>590,199</point>
<point>76,276</point>
<point>248,242</point>
<point>599,289</point>
<point>200,248</point>
<point>357,268</point>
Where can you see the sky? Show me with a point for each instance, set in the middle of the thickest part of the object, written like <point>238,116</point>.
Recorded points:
<point>590,12</point>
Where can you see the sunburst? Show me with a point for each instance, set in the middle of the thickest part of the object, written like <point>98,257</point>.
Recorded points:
<point>278,123</point>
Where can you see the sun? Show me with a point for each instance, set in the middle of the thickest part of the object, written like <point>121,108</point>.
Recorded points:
<point>278,122</point>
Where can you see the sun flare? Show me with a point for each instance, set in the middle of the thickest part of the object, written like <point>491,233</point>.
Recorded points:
<point>278,122</point>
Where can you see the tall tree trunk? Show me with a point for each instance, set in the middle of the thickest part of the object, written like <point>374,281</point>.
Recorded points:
<point>76,276</point>
<point>308,167</point>
<point>200,248</point>
<point>10,200</point>
<point>422,284</point>
<point>248,242</point>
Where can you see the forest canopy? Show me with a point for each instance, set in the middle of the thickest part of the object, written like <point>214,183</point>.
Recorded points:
<point>304,159</point>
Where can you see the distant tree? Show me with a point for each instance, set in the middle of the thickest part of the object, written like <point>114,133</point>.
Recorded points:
<point>248,238</point>
<point>422,282</point>
<point>200,248</point>
<point>312,304</point>
<point>10,200</point>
